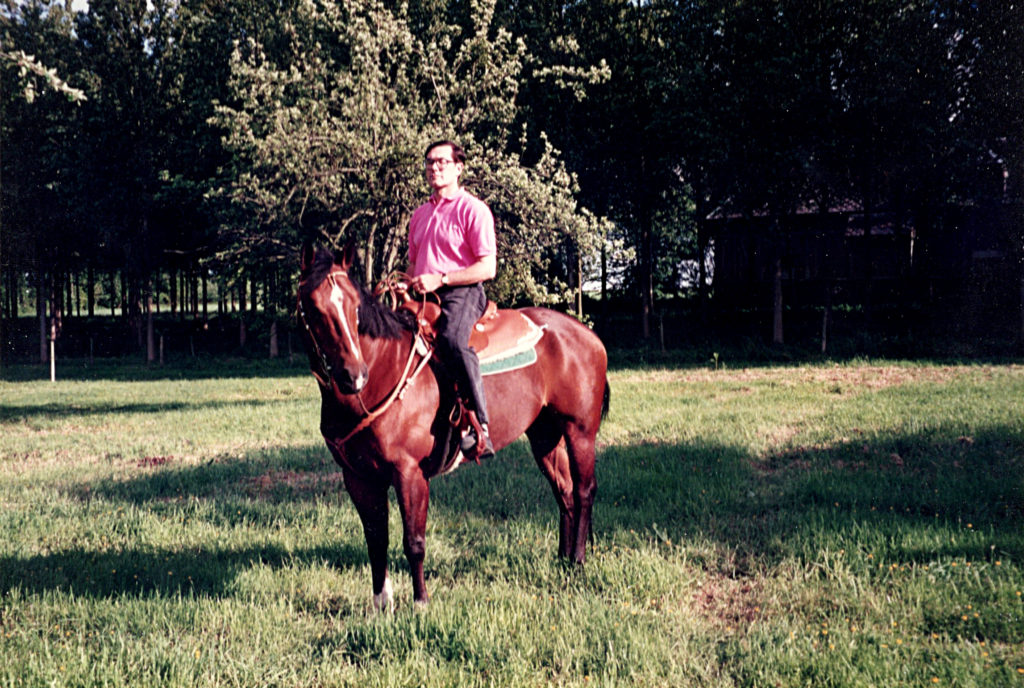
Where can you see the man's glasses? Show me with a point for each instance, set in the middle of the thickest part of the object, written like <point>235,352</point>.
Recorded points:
<point>440,163</point>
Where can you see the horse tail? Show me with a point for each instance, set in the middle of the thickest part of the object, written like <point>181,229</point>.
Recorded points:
<point>607,400</point>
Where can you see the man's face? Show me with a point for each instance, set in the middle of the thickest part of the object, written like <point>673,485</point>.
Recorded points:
<point>441,170</point>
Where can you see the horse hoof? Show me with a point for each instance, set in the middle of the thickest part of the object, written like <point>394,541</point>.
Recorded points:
<point>385,601</point>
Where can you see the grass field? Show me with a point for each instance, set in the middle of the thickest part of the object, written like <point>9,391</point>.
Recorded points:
<point>824,525</point>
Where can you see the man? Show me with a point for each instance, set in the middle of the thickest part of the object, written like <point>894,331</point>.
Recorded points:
<point>452,251</point>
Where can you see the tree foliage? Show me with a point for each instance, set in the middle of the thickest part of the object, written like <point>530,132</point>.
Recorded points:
<point>328,132</point>
<point>215,135</point>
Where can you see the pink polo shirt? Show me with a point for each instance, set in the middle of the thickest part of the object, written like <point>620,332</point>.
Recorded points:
<point>447,234</point>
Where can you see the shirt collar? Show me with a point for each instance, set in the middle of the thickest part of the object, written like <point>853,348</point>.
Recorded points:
<point>437,199</point>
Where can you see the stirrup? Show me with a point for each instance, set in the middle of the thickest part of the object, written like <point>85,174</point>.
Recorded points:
<point>476,443</point>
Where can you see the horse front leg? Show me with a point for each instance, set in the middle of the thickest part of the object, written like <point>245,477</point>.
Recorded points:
<point>371,502</point>
<point>413,499</point>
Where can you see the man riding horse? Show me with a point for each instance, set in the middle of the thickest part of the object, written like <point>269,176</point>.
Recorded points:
<point>381,398</point>
<point>452,251</point>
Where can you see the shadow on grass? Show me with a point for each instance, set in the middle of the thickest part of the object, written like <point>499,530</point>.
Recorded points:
<point>58,411</point>
<point>202,571</point>
<point>898,497</point>
<point>274,476</point>
<point>179,368</point>
<point>890,494</point>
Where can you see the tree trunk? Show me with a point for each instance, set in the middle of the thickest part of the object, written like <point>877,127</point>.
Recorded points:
<point>1022,309</point>
<point>76,280</point>
<point>702,267</point>
<point>150,342</point>
<point>193,288</point>
<point>646,274</point>
<point>172,292</point>
<point>124,295</point>
<point>777,331</point>
<point>133,305</point>
<point>604,273</point>
<point>90,291</point>
<point>113,295</point>
<point>273,339</point>
<point>826,317</point>
<point>52,349</point>
<point>645,214</point>
<point>579,285</point>
<point>67,295</point>
<point>44,352</point>
<point>369,256</point>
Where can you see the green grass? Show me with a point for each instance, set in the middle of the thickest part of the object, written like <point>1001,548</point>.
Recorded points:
<point>827,525</point>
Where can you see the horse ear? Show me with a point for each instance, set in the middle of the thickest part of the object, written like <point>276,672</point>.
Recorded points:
<point>348,256</point>
<point>307,255</point>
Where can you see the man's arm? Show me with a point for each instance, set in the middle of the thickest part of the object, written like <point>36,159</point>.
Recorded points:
<point>482,270</point>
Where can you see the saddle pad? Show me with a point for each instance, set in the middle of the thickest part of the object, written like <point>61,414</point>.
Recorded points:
<point>508,342</point>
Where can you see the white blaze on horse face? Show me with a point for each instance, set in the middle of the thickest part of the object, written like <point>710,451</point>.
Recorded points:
<point>385,601</point>
<point>338,300</point>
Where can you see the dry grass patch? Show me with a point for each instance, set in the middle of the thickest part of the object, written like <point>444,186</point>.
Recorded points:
<point>858,377</point>
<point>730,604</point>
<point>303,482</point>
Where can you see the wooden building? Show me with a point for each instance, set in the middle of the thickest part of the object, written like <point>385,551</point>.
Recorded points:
<point>957,264</point>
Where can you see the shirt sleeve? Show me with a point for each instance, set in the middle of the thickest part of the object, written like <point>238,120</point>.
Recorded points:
<point>481,237</point>
<point>413,225</point>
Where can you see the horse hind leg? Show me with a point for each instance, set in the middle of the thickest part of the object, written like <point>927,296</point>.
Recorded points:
<point>581,459</point>
<point>548,448</point>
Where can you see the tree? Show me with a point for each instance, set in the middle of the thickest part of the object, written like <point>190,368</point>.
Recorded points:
<point>125,141</point>
<point>613,86</point>
<point>328,135</point>
<point>37,108</point>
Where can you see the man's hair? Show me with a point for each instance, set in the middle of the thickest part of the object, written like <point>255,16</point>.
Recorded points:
<point>458,155</point>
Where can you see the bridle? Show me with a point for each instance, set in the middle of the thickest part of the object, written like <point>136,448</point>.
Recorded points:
<point>420,347</point>
<point>323,375</point>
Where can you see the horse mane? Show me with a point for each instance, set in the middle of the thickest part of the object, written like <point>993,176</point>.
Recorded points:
<point>375,318</point>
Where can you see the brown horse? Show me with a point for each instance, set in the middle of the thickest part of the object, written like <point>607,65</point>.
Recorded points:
<point>380,408</point>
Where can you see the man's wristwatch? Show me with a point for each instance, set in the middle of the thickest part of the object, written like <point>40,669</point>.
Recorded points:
<point>444,280</point>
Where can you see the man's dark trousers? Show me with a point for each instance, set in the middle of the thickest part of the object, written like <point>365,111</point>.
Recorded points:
<point>461,307</point>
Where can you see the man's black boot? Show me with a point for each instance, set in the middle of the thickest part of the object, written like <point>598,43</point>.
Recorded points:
<point>475,448</point>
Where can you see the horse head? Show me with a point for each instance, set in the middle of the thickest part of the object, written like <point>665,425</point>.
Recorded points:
<point>329,311</point>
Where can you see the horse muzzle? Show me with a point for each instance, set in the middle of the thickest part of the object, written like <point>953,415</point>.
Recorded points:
<point>351,379</point>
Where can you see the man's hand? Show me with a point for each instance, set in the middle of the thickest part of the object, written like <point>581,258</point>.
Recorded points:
<point>426,283</point>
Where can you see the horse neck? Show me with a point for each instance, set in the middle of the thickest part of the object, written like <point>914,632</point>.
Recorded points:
<point>385,359</point>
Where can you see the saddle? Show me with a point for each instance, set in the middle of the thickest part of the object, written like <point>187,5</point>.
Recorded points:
<point>496,335</point>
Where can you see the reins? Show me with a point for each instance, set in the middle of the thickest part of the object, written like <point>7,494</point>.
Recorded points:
<point>398,392</point>
<point>392,286</point>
